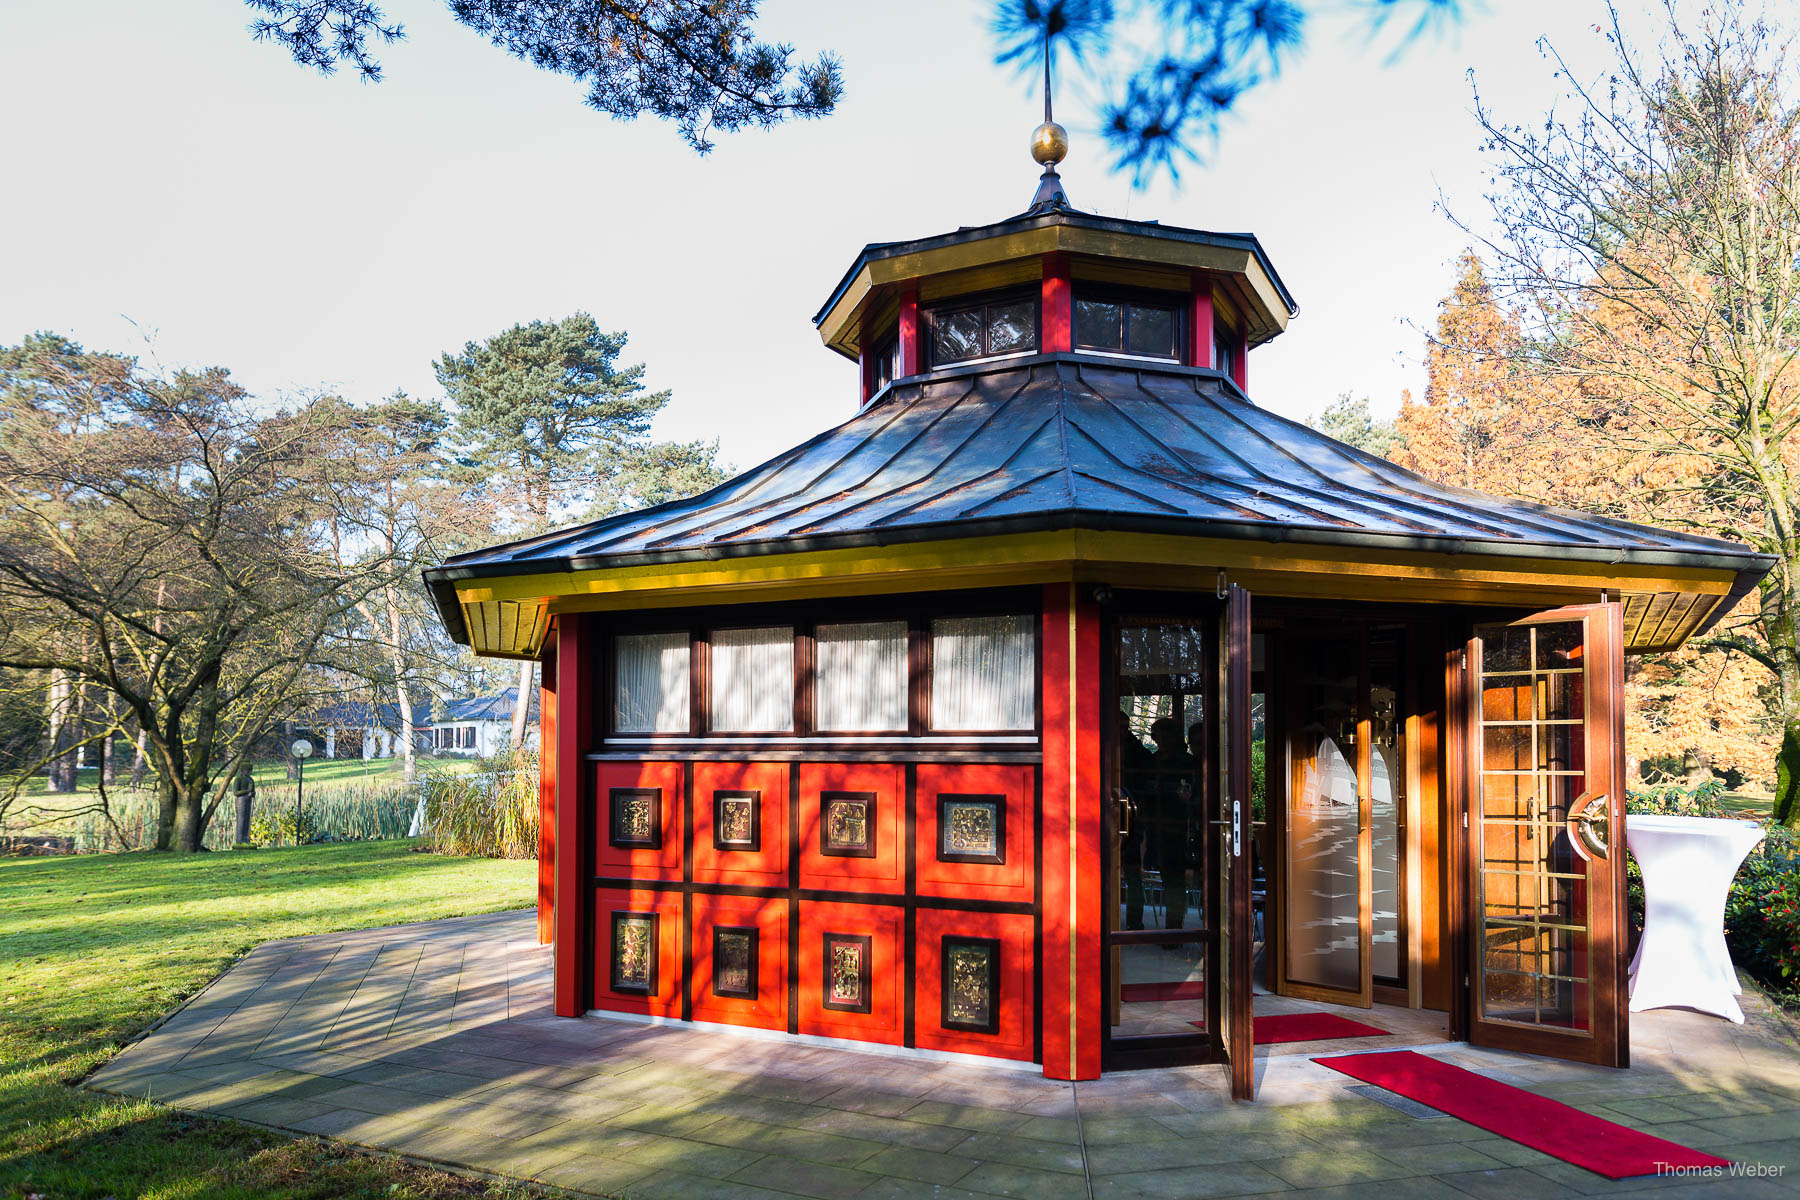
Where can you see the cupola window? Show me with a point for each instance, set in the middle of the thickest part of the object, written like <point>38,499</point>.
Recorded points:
<point>1140,328</point>
<point>991,329</point>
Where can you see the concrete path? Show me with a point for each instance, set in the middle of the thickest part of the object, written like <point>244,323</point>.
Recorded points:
<point>436,1041</point>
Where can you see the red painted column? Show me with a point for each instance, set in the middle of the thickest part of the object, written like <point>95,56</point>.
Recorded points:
<point>546,892</point>
<point>576,663</point>
<point>1071,1002</point>
<point>865,373</point>
<point>1057,307</point>
<point>1240,366</point>
<point>1200,327</point>
<point>911,353</point>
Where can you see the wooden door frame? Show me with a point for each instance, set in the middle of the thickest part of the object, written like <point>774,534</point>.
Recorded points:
<point>1154,1050</point>
<point>1608,1043</point>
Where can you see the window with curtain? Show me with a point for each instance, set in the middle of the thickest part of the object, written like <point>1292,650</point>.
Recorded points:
<point>983,673</point>
<point>861,677</point>
<point>753,680</point>
<point>650,683</point>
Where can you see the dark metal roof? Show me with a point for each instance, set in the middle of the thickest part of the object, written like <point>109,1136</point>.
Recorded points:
<point>1031,219</point>
<point>1066,441</point>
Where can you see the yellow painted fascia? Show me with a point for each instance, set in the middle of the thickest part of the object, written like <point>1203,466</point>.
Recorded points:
<point>1140,560</point>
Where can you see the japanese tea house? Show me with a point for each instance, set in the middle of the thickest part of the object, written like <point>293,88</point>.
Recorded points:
<point>1061,700</point>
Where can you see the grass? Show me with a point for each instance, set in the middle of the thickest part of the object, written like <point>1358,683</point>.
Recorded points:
<point>93,949</point>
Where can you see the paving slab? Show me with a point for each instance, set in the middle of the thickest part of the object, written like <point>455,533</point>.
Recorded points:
<point>436,1040</point>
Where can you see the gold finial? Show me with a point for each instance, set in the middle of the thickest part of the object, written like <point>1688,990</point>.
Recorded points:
<point>1049,144</point>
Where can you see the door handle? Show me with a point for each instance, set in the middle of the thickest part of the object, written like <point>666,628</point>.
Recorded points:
<point>1122,810</point>
<point>1588,824</point>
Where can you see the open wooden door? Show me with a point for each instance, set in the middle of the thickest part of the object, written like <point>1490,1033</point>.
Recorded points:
<point>1231,848</point>
<point>1545,835</point>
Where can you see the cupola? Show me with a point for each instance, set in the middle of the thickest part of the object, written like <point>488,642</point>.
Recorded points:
<point>1055,280</point>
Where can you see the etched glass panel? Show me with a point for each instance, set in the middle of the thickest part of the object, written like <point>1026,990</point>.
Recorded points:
<point>983,673</point>
<point>862,676</point>
<point>956,336</point>
<point>650,682</point>
<point>753,680</point>
<point>1012,328</point>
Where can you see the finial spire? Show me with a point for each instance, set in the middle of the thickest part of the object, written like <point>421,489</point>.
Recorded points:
<point>1049,146</point>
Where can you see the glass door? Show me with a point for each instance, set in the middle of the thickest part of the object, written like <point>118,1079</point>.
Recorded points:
<point>1158,933</point>
<point>1545,842</point>
<point>1333,767</point>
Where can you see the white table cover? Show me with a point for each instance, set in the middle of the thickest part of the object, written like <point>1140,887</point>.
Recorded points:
<point>1688,864</point>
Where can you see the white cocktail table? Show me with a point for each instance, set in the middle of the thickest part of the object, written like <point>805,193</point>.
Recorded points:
<point>1688,864</point>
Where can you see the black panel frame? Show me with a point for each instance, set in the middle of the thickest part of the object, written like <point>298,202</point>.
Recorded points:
<point>754,936</point>
<point>945,801</point>
<point>865,974</point>
<point>754,796</point>
<point>867,848</point>
<point>993,948</point>
<point>619,917</point>
<point>614,809</point>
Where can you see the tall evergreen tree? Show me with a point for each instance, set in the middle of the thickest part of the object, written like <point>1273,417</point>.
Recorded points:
<point>553,429</point>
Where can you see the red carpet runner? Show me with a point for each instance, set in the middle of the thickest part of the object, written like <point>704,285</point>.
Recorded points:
<point>1141,993</point>
<point>1306,1027</point>
<point>1524,1117</point>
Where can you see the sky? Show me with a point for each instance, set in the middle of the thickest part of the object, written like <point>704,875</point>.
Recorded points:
<point>176,190</point>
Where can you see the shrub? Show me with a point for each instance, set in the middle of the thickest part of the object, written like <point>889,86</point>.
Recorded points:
<point>491,811</point>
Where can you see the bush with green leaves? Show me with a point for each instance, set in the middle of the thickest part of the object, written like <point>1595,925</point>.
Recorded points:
<point>490,812</point>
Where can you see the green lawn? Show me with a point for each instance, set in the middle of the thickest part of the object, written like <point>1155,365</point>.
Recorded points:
<point>93,949</point>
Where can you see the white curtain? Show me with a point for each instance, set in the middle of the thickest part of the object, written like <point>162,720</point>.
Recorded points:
<point>753,680</point>
<point>862,676</point>
<point>983,673</point>
<point>651,683</point>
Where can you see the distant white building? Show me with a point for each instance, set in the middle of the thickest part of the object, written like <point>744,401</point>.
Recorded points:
<point>478,726</point>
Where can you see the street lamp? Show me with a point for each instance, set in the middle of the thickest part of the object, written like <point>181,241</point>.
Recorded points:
<point>301,750</point>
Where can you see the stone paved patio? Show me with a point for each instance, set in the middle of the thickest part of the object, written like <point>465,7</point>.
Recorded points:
<point>436,1041</point>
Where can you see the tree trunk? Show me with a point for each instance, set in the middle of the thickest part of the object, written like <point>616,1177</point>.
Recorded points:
<point>77,738</point>
<point>140,762</point>
<point>189,830</point>
<point>287,757</point>
<point>107,775</point>
<point>522,708</point>
<point>408,751</point>
<point>1695,772</point>
<point>1787,774</point>
<point>54,721</point>
<point>165,813</point>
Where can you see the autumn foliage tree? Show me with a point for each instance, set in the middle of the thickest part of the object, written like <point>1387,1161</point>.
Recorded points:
<point>1653,243</point>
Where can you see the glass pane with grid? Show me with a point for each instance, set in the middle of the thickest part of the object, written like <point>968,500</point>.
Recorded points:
<point>1533,885</point>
